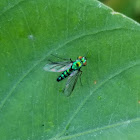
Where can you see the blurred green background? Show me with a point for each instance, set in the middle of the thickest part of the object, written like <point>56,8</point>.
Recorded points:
<point>130,8</point>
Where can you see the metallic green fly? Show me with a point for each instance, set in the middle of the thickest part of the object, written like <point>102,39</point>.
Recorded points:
<point>70,69</point>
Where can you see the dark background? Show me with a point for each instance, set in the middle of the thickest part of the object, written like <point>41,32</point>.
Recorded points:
<point>130,8</point>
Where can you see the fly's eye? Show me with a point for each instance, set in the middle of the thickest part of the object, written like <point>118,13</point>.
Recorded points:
<point>84,64</point>
<point>80,57</point>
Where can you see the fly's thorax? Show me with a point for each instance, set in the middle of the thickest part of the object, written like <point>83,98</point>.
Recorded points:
<point>77,65</point>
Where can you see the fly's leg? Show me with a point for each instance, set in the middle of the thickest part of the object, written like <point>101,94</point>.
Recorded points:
<point>80,77</point>
<point>51,61</point>
<point>61,58</point>
<point>56,63</point>
<point>71,60</point>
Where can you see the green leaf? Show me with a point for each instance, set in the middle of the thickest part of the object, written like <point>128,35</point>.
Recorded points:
<point>32,106</point>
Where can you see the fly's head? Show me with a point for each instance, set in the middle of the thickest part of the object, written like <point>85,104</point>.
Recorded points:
<point>83,60</point>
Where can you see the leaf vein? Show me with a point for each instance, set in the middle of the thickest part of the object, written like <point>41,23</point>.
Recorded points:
<point>131,65</point>
<point>99,129</point>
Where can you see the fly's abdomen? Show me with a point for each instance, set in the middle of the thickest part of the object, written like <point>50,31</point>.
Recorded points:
<point>64,75</point>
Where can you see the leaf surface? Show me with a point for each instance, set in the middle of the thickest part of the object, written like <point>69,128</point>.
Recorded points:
<point>32,107</point>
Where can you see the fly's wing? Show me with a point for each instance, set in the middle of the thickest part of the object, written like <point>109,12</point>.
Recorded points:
<point>71,82</point>
<point>57,66</point>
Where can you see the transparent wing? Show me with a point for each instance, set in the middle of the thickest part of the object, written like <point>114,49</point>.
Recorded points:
<point>71,82</point>
<point>57,66</point>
